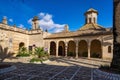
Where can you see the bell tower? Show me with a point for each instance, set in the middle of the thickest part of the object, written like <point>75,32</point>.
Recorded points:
<point>91,16</point>
<point>35,23</point>
<point>4,21</point>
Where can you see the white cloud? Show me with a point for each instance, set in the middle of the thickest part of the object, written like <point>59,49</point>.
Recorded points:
<point>41,14</point>
<point>11,20</point>
<point>4,16</point>
<point>46,22</point>
<point>30,21</point>
<point>21,26</point>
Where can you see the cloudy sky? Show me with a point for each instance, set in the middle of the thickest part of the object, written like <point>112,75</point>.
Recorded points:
<point>54,14</point>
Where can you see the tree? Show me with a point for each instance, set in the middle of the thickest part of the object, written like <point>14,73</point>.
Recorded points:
<point>116,32</point>
<point>4,53</point>
<point>40,52</point>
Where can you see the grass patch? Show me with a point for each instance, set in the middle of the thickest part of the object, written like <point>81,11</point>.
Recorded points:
<point>37,60</point>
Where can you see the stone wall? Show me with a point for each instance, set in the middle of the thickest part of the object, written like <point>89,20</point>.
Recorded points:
<point>106,40</point>
<point>36,38</point>
<point>11,37</point>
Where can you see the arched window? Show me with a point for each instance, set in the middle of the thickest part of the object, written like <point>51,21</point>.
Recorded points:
<point>21,45</point>
<point>109,49</point>
<point>90,20</point>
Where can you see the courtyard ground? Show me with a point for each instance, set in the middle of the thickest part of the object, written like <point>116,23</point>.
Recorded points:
<point>55,69</point>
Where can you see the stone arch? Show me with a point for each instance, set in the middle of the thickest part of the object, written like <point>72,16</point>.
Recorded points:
<point>21,44</point>
<point>95,49</point>
<point>90,20</point>
<point>71,49</point>
<point>82,49</point>
<point>52,48</point>
<point>61,48</point>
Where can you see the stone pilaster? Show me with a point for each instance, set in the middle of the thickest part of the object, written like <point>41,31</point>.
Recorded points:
<point>88,49</point>
<point>56,49</point>
<point>49,48</point>
<point>66,48</point>
<point>102,43</point>
<point>76,49</point>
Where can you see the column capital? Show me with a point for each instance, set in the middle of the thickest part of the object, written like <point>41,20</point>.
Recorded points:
<point>76,43</point>
<point>88,42</point>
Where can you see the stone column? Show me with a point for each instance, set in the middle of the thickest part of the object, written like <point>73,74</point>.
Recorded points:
<point>66,48</point>
<point>88,49</point>
<point>116,31</point>
<point>76,49</point>
<point>49,48</point>
<point>57,48</point>
<point>102,49</point>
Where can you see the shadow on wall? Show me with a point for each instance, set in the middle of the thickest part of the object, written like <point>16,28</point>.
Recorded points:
<point>4,53</point>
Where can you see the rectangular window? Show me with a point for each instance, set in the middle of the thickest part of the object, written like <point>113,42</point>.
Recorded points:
<point>109,49</point>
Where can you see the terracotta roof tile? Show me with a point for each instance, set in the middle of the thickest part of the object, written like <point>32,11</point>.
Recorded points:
<point>87,29</point>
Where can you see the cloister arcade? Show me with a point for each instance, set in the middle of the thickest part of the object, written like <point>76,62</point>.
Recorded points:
<point>77,48</point>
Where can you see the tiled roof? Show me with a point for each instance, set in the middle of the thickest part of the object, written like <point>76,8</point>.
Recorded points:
<point>35,18</point>
<point>77,34</point>
<point>87,29</point>
<point>91,26</point>
<point>91,9</point>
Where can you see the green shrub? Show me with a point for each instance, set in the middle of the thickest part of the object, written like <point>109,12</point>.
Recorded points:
<point>23,52</point>
<point>71,54</point>
<point>41,55</point>
<point>85,54</point>
<point>40,52</point>
<point>95,55</point>
<point>37,60</point>
<point>30,52</point>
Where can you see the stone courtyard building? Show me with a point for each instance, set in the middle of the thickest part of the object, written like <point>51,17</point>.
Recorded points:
<point>91,40</point>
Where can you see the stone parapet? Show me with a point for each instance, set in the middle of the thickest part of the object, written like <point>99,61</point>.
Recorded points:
<point>11,28</point>
<point>19,30</point>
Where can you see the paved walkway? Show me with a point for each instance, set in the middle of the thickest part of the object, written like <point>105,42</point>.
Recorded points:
<point>57,69</point>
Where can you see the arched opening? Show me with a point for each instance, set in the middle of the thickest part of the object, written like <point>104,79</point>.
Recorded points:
<point>61,49</point>
<point>52,48</point>
<point>71,49</point>
<point>90,21</point>
<point>83,49</point>
<point>21,44</point>
<point>96,49</point>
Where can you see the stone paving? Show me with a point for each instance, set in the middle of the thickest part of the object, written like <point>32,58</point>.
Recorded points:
<point>47,72</point>
<point>53,70</point>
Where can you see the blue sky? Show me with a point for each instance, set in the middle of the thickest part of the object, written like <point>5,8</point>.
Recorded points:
<point>54,14</point>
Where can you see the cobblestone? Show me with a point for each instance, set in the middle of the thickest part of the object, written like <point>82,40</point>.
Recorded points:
<point>56,70</point>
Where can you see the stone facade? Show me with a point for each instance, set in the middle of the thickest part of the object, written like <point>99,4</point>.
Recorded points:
<point>11,37</point>
<point>91,40</point>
